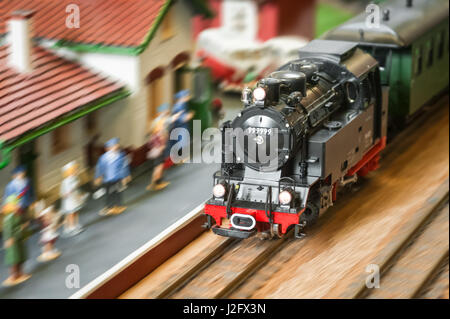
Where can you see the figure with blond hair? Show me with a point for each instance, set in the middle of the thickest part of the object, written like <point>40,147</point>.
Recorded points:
<point>157,145</point>
<point>14,240</point>
<point>71,199</point>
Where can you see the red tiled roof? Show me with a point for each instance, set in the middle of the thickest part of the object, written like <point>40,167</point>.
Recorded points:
<point>123,23</point>
<point>53,88</point>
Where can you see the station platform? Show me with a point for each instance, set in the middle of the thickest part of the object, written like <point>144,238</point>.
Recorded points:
<point>107,240</point>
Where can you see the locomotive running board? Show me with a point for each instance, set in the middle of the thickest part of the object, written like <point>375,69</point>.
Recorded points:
<point>234,233</point>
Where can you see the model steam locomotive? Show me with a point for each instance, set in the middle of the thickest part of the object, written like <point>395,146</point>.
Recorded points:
<point>318,123</point>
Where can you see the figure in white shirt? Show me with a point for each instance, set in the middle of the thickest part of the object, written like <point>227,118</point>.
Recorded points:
<point>72,200</point>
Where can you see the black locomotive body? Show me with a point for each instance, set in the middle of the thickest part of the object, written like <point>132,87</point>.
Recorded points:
<point>306,129</point>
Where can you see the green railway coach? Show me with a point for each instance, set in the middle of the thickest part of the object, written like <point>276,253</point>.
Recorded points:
<point>411,43</point>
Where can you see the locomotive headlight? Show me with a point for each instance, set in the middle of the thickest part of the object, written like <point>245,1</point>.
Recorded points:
<point>259,94</point>
<point>219,190</point>
<point>285,197</point>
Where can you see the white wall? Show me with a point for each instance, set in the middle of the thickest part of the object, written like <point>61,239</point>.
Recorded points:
<point>122,68</point>
<point>115,120</point>
<point>118,67</point>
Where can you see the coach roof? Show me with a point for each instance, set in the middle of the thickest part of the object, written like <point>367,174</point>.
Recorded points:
<point>400,23</point>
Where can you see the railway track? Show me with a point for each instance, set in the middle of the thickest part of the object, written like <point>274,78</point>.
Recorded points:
<point>418,262</point>
<point>236,269</point>
<point>226,269</point>
<point>385,221</point>
<point>413,268</point>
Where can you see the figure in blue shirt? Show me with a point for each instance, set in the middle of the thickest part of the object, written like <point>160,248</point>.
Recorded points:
<point>180,119</point>
<point>113,172</point>
<point>20,186</point>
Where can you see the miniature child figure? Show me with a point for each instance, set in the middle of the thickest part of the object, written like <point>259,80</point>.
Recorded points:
<point>71,199</point>
<point>13,239</point>
<point>49,234</point>
<point>157,146</point>
<point>113,171</point>
<point>20,186</point>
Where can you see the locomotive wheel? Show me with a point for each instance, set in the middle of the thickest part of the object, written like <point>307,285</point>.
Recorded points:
<point>310,215</point>
<point>276,231</point>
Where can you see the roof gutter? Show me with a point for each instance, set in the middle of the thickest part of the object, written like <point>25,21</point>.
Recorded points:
<point>7,148</point>
<point>165,8</point>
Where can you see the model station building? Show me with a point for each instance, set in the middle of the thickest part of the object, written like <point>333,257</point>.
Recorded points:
<point>68,85</point>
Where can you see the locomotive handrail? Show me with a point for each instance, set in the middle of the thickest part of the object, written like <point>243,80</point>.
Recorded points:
<point>227,177</point>
<point>230,199</point>
<point>269,205</point>
<point>287,178</point>
<point>294,182</point>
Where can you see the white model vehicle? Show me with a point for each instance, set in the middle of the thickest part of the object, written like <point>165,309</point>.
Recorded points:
<point>236,60</point>
<point>231,56</point>
<point>284,49</point>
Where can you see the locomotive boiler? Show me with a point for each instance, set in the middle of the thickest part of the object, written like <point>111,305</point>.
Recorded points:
<point>308,128</point>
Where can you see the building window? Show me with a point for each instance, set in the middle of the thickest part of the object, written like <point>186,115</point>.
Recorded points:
<point>181,74</point>
<point>91,122</point>
<point>60,139</point>
<point>430,53</point>
<point>167,26</point>
<point>418,61</point>
<point>155,93</point>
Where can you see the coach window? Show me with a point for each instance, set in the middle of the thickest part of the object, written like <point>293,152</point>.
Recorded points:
<point>418,61</point>
<point>382,55</point>
<point>441,44</point>
<point>446,38</point>
<point>430,47</point>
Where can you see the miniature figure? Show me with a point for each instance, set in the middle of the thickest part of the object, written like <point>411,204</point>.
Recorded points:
<point>113,172</point>
<point>179,119</point>
<point>20,186</point>
<point>13,239</point>
<point>71,199</point>
<point>157,146</point>
<point>49,220</point>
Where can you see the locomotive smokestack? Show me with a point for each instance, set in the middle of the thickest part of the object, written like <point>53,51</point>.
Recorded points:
<point>409,3</point>
<point>272,87</point>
